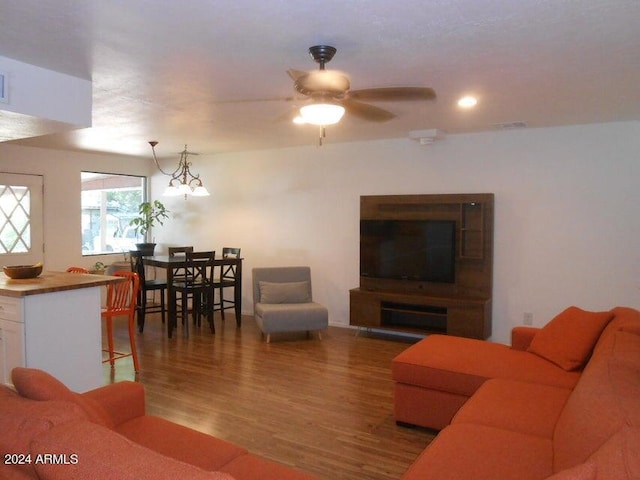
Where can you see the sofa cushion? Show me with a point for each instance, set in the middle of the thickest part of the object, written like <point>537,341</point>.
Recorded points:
<point>90,451</point>
<point>604,401</point>
<point>10,472</point>
<point>624,318</point>
<point>518,406</point>
<point>39,385</point>
<point>460,365</point>
<point>251,467</point>
<point>569,338</point>
<point>463,451</point>
<point>285,292</point>
<point>291,317</point>
<point>179,442</point>
<point>122,400</point>
<point>618,458</point>
<point>584,471</point>
<point>21,420</point>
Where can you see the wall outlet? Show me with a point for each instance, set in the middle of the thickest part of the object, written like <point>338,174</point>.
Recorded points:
<point>527,318</point>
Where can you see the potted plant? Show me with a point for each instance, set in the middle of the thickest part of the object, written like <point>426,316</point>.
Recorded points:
<point>98,268</point>
<point>149,213</point>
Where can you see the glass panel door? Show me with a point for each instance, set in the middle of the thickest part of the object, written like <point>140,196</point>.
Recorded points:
<point>21,219</point>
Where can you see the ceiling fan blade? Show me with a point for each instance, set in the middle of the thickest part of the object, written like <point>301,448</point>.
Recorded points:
<point>366,111</point>
<point>254,100</point>
<point>393,94</point>
<point>295,74</point>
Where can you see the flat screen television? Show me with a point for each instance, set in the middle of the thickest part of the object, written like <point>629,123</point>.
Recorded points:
<point>408,249</point>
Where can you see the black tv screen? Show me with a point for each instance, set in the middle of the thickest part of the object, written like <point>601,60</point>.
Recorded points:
<point>408,249</point>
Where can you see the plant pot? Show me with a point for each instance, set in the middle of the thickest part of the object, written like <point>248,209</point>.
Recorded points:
<point>146,249</point>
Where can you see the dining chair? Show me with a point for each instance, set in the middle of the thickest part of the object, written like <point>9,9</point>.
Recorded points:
<point>154,285</point>
<point>179,273</point>
<point>197,286</point>
<point>121,301</point>
<point>227,279</point>
<point>77,270</point>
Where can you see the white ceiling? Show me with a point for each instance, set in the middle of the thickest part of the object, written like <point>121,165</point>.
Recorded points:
<point>185,72</point>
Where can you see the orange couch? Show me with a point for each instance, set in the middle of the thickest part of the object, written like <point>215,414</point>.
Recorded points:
<point>51,433</point>
<point>562,402</point>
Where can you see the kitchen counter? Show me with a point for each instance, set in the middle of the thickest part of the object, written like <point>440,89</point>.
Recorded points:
<point>53,322</point>
<point>49,282</point>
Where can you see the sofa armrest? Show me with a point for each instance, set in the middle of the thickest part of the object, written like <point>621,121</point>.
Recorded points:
<point>123,401</point>
<point>521,337</point>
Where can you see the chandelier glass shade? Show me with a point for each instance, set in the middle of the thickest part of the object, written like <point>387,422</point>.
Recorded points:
<point>182,182</point>
<point>322,113</point>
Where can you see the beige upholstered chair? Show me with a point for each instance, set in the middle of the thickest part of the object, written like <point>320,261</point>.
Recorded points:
<point>282,301</point>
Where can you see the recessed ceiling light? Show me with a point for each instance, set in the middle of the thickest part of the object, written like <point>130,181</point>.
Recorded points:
<point>467,102</point>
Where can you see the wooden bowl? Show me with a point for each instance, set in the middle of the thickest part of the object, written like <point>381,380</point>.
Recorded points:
<point>22,271</point>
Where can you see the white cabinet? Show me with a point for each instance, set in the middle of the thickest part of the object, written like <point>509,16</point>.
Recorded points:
<point>59,332</point>
<point>11,348</point>
<point>11,337</point>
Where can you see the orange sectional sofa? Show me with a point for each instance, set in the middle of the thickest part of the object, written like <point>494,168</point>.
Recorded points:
<point>51,433</point>
<point>562,402</point>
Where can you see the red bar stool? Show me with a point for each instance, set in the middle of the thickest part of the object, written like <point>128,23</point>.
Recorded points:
<point>121,301</point>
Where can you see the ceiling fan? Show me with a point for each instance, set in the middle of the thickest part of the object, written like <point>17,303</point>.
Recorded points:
<point>329,94</point>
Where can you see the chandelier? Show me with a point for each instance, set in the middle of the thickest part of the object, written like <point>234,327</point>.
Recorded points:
<point>182,182</point>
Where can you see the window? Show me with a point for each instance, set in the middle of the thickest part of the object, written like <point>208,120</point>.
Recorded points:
<point>21,232</point>
<point>109,202</point>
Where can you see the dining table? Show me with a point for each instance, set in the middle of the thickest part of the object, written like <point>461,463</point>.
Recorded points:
<point>170,264</point>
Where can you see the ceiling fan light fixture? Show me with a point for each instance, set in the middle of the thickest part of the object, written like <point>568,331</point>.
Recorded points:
<point>322,113</point>
<point>467,101</point>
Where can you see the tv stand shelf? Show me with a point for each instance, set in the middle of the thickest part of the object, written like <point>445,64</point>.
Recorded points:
<point>465,317</point>
<point>386,298</point>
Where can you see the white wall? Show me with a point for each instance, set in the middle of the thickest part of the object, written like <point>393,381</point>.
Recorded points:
<point>62,216</point>
<point>566,223</point>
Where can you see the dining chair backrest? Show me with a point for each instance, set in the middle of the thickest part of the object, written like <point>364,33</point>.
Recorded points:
<point>200,267</point>
<point>230,252</point>
<point>137,265</point>
<point>228,272</point>
<point>77,270</point>
<point>177,252</point>
<point>173,251</point>
<point>122,296</point>
<point>136,259</point>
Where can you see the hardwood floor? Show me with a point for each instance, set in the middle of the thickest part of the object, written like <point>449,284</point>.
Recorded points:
<point>324,407</point>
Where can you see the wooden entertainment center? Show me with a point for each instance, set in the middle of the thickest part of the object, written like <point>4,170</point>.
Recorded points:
<point>461,307</point>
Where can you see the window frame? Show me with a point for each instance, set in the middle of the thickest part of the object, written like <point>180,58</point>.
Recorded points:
<point>87,222</point>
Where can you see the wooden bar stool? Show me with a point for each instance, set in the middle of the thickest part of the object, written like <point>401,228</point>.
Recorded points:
<point>121,301</point>
<point>197,285</point>
<point>227,279</point>
<point>147,285</point>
